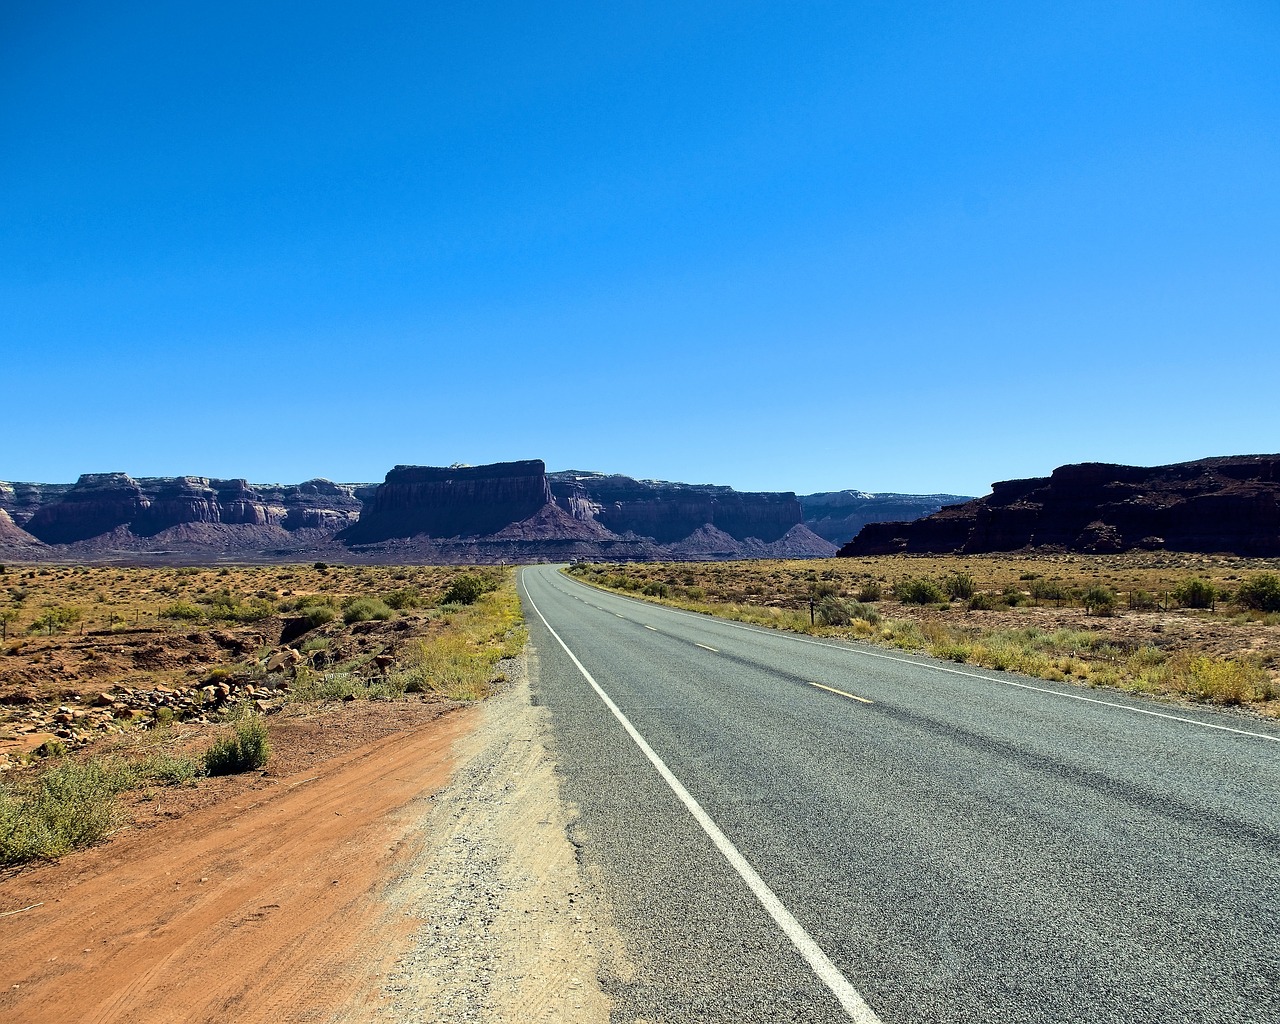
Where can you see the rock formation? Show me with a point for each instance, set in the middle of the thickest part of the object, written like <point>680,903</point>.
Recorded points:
<point>669,512</point>
<point>511,511</point>
<point>460,501</point>
<point>1227,504</point>
<point>837,516</point>
<point>13,536</point>
<point>135,511</point>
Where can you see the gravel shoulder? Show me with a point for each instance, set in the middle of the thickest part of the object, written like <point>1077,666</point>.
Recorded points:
<point>504,927</point>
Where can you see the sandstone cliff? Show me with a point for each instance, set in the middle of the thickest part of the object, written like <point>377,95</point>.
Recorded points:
<point>837,516</point>
<point>460,501</point>
<point>1227,504</point>
<point>102,504</point>
<point>13,537</point>
<point>513,511</point>
<point>670,512</point>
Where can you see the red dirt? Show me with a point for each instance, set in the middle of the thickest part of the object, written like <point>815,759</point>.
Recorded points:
<point>263,905</point>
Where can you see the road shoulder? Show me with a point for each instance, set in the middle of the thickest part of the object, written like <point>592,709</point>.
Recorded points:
<point>503,926</point>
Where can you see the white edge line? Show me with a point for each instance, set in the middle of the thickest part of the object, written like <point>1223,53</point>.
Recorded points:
<point>713,650</point>
<point>938,668</point>
<point>827,972</point>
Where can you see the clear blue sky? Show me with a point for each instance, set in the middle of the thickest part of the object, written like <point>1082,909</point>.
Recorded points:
<point>913,247</point>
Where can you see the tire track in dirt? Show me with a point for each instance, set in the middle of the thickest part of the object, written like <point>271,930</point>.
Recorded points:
<point>273,910</point>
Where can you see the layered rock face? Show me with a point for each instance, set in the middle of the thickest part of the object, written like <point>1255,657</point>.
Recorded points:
<point>516,511</point>
<point>460,501</point>
<point>670,512</point>
<point>14,537</point>
<point>837,516</point>
<point>102,503</point>
<point>97,504</point>
<point>511,511</point>
<point>1211,505</point>
<point>23,500</point>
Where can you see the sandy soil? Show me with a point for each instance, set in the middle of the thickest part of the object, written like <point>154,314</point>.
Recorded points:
<point>399,861</point>
<point>265,905</point>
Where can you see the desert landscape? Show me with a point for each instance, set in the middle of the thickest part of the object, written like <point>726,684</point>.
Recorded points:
<point>639,513</point>
<point>1173,626</point>
<point>169,729</point>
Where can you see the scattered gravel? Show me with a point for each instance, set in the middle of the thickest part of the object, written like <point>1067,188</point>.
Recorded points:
<point>502,928</point>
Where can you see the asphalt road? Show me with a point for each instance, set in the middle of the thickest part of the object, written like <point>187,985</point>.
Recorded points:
<point>967,846</point>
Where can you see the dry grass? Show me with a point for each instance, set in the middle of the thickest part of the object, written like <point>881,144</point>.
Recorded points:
<point>107,611</point>
<point>149,627</point>
<point>100,598</point>
<point>1034,621</point>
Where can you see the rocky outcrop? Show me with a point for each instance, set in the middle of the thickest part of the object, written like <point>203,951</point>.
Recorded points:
<point>458,501</point>
<point>670,512</point>
<point>710,544</point>
<point>97,504</point>
<point>13,536</point>
<point>511,511</point>
<point>1227,504</point>
<point>837,516</point>
<point>23,500</point>
<point>318,504</point>
<point>103,504</point>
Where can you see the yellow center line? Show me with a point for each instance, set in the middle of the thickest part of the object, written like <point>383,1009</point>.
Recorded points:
<point>705,647</point>
<point>832,689</point>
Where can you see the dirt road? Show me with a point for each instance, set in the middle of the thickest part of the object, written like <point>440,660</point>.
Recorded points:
<point>348,890</point>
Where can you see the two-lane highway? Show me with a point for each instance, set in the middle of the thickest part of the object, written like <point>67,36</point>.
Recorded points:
<point>791,829</point>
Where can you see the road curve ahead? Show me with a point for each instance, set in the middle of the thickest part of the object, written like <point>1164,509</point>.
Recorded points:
<point>794,830</point>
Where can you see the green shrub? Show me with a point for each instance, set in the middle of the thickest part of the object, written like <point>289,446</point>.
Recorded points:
<point>467,588</point>
<point>307,601</point>
<point>71,804</point>
<point>1099,600</point>
<point>959,586</point>
<point>161,769</point>
<point>867,613</point>
<point>1012,596</point>
<point>982,602</point>
<point>406,597</point>
<point>1260,593</point>
<point>1195,593</point>
<point>870,591</point>
<point>656,589</point>
<point>831,611</point>
<point>1142,601</point>
<point>181,610</point>
<point>914,590</point>
<point>316,615</point>
<point>56,618</point>
<point>244,749</point>
<point>362,609</point>
<point>254,610</point>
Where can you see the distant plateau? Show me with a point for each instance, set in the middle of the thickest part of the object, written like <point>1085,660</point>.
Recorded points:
<point>510,511</point>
